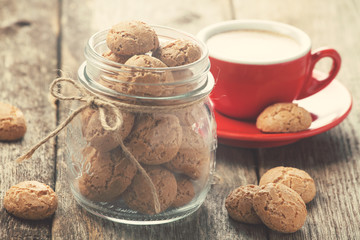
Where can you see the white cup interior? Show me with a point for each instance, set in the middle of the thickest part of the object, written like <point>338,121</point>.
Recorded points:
<point>263,25</point>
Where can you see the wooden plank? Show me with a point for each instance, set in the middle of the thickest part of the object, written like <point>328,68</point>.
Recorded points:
<point>332,157</point>
<point>235,167</point>
<point>27,64</point>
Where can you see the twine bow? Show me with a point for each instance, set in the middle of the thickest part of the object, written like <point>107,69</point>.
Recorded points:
<point>103,105</point>
<point>91,101</point>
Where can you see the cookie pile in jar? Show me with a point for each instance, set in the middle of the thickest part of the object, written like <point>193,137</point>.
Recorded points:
<point>174,145</point>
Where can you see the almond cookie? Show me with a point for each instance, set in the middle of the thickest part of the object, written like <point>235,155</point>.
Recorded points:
<point>146,81</point>
<point>155,138</point>
<point>294,178</point>
<point>139,196</point>
<point>279,207</point>
<point>131,38</point>
<point>239,204</point>
<point>100,138</point>
<point>181,86</point>
<point>193,158</point>
<point>178,52</point>
<point>141,76</point>
<point>283,117</point>
<point>106,175</point>
<point>185,192</point>
<point>31,200</point>
<point>191,116</point>
<point>12,123</point>
<point>115,57</point>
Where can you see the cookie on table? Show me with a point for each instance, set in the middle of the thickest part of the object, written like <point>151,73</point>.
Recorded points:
<point>155,138</point>
<point>132,38</point>
<point>178,52</point>
<point>296,179</point>
<point>193,157</point>
<point>139,196</point>
<point>283,117</point>
<point>185,191</point>
<point>239,204</point>
<point>105,175</point>
<point>279,207</point>
<point>31,200</point>
<point>12,123</point>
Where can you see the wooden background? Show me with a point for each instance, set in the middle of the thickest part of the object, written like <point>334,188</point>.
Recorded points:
<point>37,38</point>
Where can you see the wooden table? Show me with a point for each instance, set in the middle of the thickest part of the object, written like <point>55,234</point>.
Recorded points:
<point>37,38</point>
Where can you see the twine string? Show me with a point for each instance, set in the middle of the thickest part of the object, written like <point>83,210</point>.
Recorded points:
<point>83,96</point>
<point>30,152</point>
<point>103,105</point>
<point>144,173</point>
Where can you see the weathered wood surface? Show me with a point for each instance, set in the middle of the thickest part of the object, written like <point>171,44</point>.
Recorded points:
<point>30,55</point>
<point>28,63</point>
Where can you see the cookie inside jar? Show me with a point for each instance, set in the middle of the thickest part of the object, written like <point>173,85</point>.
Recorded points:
<point>156,167</point>
<point>174,68</point>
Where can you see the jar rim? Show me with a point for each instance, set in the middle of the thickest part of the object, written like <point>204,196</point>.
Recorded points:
<point>90,45</point>
<point>95,87</point>
<point>190,81</point>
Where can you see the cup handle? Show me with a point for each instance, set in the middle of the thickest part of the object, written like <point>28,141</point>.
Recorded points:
<point>313,84</point>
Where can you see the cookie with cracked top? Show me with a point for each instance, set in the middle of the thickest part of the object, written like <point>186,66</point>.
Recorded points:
<point>239,204</point>
<point>178,52</point>
<point>105,175</point>
<point>294,178</point>
<point>31,200</point>
<point>12,123</point>
<point>279,207</point>
<point>132,38</point>
<point>139,196</point>
<point>115,57</point>
<point>155,138</point>
<point>193,157</point>
<point>99,138</point>
<point>185,191</point>
<point>283,117</point>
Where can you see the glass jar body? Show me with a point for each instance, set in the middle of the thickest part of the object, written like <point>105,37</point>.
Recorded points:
<point>157,166</point>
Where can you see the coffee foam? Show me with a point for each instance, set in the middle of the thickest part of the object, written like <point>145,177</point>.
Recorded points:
<point>253,46</point>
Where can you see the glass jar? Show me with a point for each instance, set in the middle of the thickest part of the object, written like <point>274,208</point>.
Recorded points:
<point>158,165</point>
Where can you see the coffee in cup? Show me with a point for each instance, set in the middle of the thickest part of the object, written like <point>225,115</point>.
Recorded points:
<point>252,45</point>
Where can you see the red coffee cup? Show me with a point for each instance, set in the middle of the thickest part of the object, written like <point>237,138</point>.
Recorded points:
<point>256,63</point>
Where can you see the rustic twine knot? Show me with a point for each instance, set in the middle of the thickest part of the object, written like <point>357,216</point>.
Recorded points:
<point>95,102</point>
<point>82,96</point>
<point>107,110</point>
<point>91,102</point>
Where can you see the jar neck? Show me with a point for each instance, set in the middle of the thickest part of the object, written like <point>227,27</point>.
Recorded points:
<point>142,84</point>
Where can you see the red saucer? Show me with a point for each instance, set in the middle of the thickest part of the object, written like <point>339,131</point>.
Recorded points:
<point>328,107</point>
